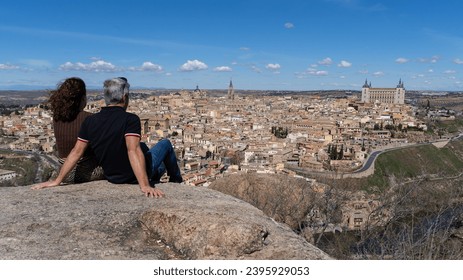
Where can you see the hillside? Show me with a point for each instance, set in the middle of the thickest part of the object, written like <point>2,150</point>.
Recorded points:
<point>424,163</point>
<point>420,162</point>
<point>420,207</point>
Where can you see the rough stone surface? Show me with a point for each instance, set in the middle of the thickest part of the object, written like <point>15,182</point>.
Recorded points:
<point>283,198</point>
<point>99,220</point>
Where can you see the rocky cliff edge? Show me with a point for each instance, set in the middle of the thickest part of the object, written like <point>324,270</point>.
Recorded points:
<point>99,220</point>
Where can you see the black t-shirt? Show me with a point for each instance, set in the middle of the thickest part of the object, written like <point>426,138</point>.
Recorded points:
<point>105,132</point>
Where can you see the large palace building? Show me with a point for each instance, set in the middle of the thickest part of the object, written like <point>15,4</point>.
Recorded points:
<point>383,95</point>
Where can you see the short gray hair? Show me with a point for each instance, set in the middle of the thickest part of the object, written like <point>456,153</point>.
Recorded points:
<point>115,89</point>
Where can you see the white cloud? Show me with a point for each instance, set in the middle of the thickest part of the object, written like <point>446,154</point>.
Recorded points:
<point>344,64</point>
<point>401,60</point>
<point>289,25</point>
<point>8,66</point>
<point>245,49</point>
<point>363,72</point>
<point>321,73</point>
<point>149,66</point>
<point>449,72</point>
<point>326,61</point>
<point>315,72</point>
<point>222,69</point>
<point>458,61</point>
<point>95,66</point>
<point>378,74</point>
<point>433,59</point>
<point>273,67</point>
<point>193,65</point>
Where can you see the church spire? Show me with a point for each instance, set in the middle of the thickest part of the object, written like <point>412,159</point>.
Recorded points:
<point>401,84</point>
<point>231,91</point>
<point>365,85</point>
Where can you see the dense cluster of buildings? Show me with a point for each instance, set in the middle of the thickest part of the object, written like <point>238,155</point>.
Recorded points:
<point>213,135</point>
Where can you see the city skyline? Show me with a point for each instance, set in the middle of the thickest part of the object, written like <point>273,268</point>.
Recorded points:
<point>261,45</point>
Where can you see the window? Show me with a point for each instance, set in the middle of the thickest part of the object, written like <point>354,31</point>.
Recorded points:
<point>358,222</point>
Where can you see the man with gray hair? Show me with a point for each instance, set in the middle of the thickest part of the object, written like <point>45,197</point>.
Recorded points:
<point>114,136</point>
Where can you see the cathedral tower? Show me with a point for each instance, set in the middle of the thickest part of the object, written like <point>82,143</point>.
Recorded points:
<point>231,91</point>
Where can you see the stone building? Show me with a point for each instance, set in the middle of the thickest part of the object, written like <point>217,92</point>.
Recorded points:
<point>383,95</point>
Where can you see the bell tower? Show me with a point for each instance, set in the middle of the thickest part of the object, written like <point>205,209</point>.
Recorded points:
<point>231,91</point>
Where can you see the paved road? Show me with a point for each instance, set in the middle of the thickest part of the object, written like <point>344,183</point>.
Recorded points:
<point>370,160</point>
<point>40,159</point>
<point>367,165</point>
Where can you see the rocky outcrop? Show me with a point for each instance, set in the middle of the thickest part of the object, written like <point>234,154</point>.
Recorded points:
<point>99,220</point>
<point>283,198</point>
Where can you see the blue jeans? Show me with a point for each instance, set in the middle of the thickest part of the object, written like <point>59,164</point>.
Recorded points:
<point>159,159</point>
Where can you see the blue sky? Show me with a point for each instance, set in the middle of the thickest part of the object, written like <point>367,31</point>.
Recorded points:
<point>276,45</point>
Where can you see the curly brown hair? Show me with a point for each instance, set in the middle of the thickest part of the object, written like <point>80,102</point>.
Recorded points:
<point>65,101</point>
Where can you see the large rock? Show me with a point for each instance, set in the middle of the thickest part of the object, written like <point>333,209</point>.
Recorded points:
<point>285,199</point>
<point>99,220</point>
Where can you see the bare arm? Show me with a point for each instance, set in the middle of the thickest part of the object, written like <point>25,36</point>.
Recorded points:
<point>137,161</point>
<point>71,161</point>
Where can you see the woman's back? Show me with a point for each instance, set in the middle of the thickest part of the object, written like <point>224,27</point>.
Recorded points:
<point>66,134</point>
<point>67,103</point>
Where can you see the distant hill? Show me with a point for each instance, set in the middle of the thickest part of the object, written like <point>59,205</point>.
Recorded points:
<point>22,97</point>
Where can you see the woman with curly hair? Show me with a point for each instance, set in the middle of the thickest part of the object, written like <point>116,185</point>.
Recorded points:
<point>67,105</point>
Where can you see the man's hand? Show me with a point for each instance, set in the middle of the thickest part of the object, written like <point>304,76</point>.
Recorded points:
<point>137,161</point>
<point>153,192</point>
<point>44,185</point>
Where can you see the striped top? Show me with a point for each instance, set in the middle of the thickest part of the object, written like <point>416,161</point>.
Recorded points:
<point>66,134</point>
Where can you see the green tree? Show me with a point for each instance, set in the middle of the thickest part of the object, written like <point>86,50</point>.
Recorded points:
<point>334,152</point>
<point>341,153</point>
